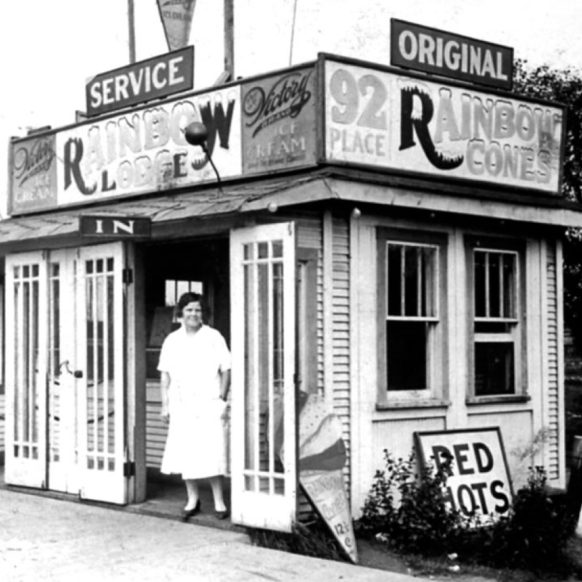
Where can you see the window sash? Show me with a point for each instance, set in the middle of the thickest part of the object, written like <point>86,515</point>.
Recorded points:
<point>418,295</point>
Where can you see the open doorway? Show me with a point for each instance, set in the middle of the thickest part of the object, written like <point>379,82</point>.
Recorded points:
<point>201,266</point>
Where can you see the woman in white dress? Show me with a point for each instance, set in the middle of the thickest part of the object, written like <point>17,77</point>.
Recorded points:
<point>195,380</point>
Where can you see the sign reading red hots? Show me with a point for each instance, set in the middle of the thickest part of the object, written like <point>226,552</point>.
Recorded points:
<point>160,76</point>
<point>451,55</point>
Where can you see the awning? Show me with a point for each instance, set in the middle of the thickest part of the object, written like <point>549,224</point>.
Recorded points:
<point>27,232</point>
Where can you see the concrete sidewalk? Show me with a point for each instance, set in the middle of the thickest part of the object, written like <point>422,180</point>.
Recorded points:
<point>44,539</point>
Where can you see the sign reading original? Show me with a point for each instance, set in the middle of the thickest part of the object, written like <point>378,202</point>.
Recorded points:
<point>442,53</point>
<point>161,76</point>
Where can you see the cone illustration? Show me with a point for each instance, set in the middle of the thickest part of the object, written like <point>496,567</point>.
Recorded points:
<point>176,17</point>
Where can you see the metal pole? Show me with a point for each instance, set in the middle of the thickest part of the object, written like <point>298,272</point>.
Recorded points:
<point>131,35</point>
<point>229,37</point>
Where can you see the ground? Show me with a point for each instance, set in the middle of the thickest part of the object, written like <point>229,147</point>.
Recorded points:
<point>377,555</point>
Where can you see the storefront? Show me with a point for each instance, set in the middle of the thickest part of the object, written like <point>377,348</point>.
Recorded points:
<point>387,240</point>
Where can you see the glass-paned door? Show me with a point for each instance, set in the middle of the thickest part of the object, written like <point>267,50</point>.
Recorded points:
<point>62,383</point>
<point>26,369</point>
<point>263,436</point>
<point>100,373</point>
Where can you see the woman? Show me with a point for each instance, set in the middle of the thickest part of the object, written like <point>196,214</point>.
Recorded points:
<point>195,379</point>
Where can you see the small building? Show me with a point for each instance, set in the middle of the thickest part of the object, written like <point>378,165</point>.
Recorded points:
<point>388,240</point>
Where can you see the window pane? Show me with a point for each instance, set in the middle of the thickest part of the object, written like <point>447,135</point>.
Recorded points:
<point>394,279</point>
<point>494,365</point>
<point>407,355</point>
<point>411,275</point>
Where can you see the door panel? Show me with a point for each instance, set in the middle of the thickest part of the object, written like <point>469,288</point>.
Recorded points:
<point>65,394</point>
<point>99,373</point>
<point>26,369</point>
<point>263,438</point>
<point>62,389</point>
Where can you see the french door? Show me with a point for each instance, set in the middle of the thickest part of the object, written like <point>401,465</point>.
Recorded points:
<point>65,371</point>
<point>263,435</point>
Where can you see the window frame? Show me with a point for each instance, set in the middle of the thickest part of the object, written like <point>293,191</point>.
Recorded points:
<point>517,248</point>
<point>437,364</point>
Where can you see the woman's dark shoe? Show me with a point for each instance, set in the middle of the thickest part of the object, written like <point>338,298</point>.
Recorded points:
<point>188,513</point>
<point>222,514</point>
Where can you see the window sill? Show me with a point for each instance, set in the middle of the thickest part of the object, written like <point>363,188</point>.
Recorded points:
<point>404,404</point>
<point>500,399</point>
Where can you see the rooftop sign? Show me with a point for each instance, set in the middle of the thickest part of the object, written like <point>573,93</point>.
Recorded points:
<point>160,76</point>
<point>336,111</point>
<point>451,55</point>
<point>395,122</point>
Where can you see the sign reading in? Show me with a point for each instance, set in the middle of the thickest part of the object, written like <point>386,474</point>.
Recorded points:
<point>391,121</point>
<point>442,53</point>
<point>140,82</point>
<point>479,480</point>
<point>118,226</point>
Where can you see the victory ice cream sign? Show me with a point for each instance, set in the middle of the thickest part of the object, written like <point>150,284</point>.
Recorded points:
<point>383,119</point>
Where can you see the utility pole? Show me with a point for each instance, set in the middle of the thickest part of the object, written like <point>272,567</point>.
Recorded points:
<point>131,35</point>
<point>229,37</point>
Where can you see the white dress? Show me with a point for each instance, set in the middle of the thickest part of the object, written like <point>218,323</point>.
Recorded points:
<point>196,442</point>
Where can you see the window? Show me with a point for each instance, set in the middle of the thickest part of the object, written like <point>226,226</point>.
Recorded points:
<point>411,308</point>
<point>496,320</point>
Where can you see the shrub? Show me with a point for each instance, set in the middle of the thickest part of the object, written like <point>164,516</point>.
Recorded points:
<point>534,534</point>
<point>409,508</point>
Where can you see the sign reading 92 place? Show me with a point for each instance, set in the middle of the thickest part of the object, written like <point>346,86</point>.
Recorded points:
<point>391,121</point>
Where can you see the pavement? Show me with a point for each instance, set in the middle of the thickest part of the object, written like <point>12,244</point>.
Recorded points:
<point>45,539</point>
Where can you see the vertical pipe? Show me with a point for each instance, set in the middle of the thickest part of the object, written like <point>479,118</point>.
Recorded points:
<point>131,30</point>
<point>229,38</point>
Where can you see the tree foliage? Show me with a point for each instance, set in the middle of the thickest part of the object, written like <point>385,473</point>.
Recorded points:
<point>563,86</point>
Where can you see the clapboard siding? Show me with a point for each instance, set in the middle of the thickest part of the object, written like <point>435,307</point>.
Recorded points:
<point>2,424</point>
<point>552,358</point>
<point>309,235</point>
<point>341,332</point>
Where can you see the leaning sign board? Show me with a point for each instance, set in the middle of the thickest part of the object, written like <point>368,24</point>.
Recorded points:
<point>153,78</point>
<point>442,53</point>
<point>402,123</point>
<point>479,481</point>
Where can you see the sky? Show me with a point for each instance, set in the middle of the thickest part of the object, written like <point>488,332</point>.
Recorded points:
<point>50,49</point>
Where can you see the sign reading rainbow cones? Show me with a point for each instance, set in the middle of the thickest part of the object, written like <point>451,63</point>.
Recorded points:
<point>176,17</point>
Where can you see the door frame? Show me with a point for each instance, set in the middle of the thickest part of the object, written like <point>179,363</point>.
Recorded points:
<point>258,508</point>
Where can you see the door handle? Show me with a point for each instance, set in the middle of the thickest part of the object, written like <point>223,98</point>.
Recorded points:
<point>74,373</point>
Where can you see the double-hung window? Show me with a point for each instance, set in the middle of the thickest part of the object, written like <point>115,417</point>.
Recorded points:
<point>496,277</point>
<point>411,305</point>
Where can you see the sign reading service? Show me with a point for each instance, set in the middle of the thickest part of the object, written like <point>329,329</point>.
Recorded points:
<point>479,479</point>
<point>442,53</point>
<point>160,76</point>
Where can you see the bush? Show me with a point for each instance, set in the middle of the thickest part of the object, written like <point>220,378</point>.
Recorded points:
<point>408,511</point>
<point>534,534</point>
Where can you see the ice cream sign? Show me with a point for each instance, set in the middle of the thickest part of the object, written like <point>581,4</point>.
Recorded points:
<point>406,124</point>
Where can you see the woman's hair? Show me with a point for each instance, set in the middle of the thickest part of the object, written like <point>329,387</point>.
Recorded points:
<point>187,298</point>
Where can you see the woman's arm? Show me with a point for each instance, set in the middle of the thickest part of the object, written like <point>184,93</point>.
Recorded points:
<point>224,384</point>
<point>164,389</point>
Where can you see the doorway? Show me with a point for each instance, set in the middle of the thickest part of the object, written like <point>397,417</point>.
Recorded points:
<point>171,269</point>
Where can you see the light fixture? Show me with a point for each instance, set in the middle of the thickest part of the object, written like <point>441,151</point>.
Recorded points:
<point>196,134</point>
